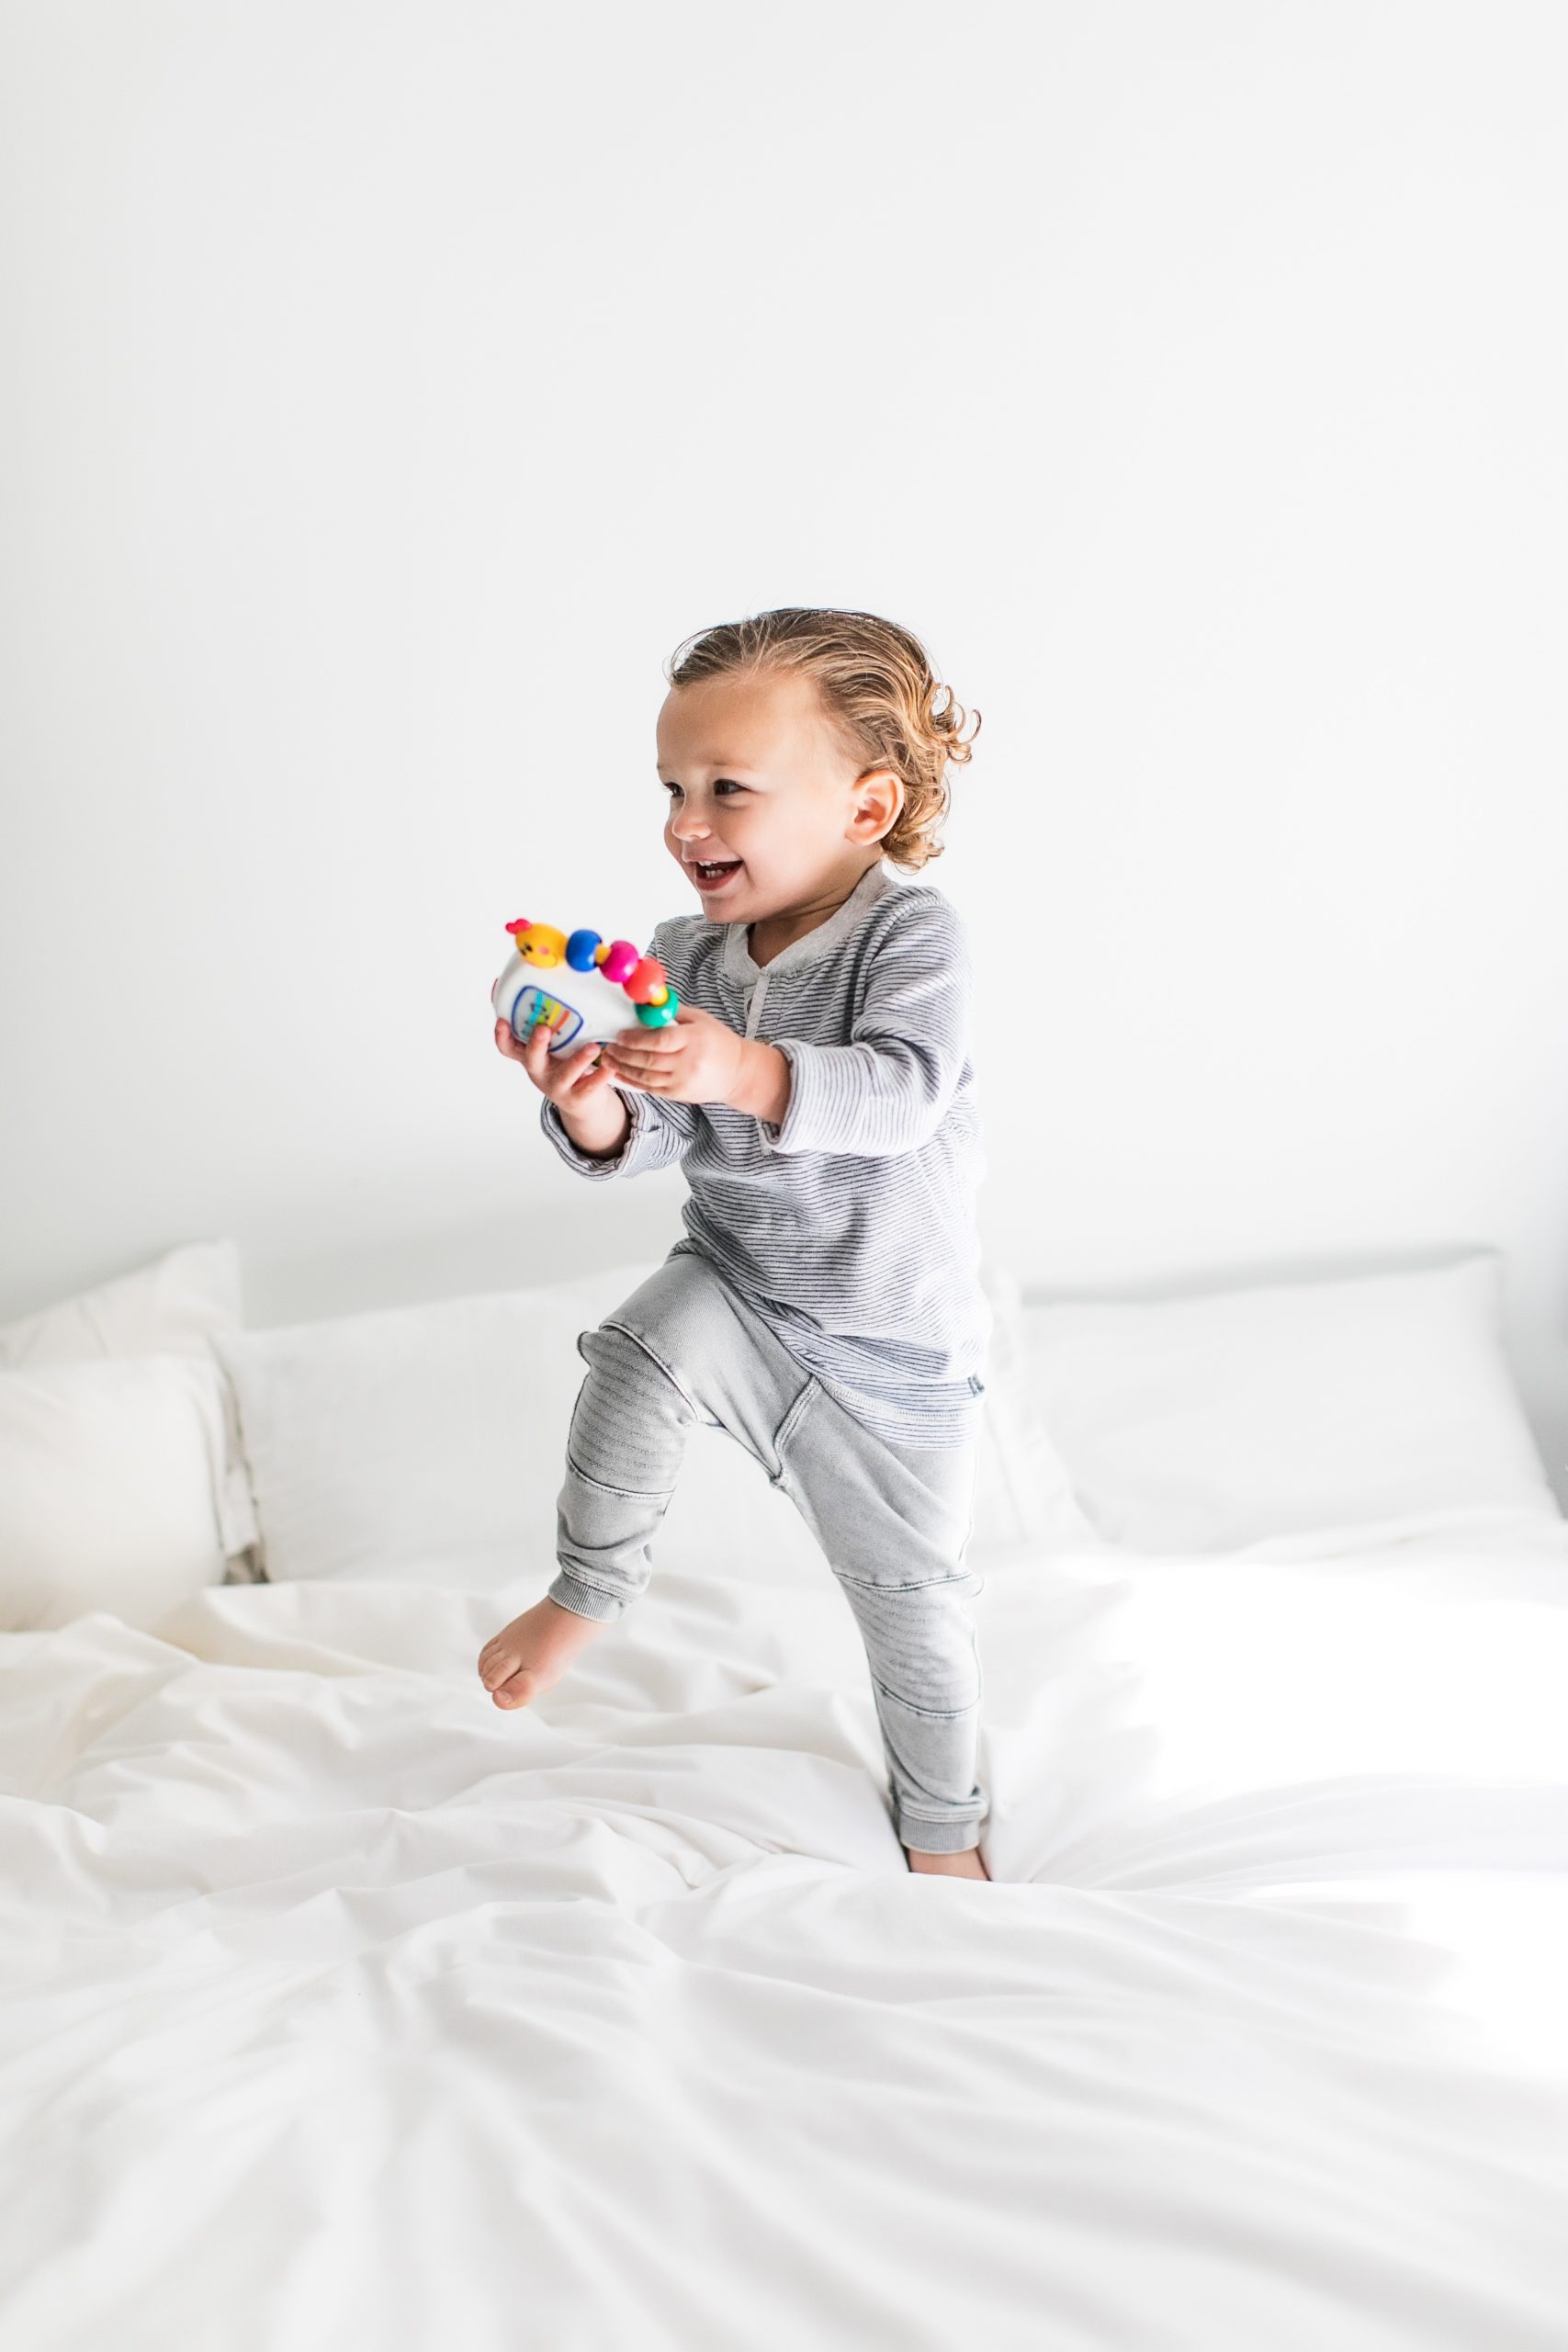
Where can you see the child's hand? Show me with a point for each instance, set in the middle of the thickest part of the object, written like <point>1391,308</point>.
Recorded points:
<point>570,1079</point>
<point>695,1059</point>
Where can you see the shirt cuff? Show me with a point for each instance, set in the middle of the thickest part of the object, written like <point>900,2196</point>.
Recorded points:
<point>801,1127</point>
<point>584,1161</point>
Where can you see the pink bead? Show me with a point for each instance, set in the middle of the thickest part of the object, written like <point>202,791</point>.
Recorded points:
<point>622,960</point>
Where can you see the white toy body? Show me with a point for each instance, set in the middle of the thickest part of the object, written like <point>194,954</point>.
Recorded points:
<point>595,1008</point>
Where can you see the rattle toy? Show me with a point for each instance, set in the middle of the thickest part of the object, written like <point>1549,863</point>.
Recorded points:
<point>600,979</point>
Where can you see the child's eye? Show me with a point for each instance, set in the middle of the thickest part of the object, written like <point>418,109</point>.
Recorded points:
<point>720,784</point>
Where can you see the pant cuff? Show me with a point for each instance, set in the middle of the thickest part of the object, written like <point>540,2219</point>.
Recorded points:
<point>585,1600</point>
<point>939,1836</point>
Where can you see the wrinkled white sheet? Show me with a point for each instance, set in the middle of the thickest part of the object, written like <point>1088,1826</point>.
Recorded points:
<point>343,2009</point>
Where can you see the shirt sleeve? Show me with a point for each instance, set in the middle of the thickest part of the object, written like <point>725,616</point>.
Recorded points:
<point>890,1088</point>
<point>660,1135</point>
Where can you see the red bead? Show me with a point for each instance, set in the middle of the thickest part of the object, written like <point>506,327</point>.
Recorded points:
<point>645,984</point>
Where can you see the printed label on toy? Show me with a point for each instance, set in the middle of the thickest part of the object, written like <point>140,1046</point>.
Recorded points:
<point>535,1004</point>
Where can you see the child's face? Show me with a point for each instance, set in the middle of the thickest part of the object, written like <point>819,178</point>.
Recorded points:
<point>755,778</point>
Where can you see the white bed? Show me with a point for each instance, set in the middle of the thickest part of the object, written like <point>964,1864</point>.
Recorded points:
<point>344,2009</point>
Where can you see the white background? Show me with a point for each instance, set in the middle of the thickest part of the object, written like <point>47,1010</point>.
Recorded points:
<point>389,389</point>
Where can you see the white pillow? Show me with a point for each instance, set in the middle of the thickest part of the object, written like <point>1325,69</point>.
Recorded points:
<point>166,1308</point>
<point>425,1442</point>
<point>174,1306</point>
<point>429,1443</point>
<point>1239,1418</point>
<point>110,1478</point>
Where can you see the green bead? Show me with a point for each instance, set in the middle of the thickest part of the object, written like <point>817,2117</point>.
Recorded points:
<point>659,1016</point>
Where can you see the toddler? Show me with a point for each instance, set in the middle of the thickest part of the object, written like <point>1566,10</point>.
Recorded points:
<point>824,1305</point>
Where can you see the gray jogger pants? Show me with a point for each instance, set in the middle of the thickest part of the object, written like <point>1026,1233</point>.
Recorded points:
<point>894,1521</point>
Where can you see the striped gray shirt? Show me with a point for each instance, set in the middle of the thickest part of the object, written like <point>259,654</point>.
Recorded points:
<point>850,1228</point>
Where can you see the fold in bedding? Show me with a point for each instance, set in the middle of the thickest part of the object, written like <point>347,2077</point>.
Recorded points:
<point>343,2009</point>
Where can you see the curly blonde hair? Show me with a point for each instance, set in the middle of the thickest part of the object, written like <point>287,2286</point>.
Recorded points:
<point>878,690</point>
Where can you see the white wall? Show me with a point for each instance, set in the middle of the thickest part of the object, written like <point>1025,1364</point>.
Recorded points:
<point>390,387</point>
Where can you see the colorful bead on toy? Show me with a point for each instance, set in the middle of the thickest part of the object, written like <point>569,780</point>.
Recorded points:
<point>590,1010</point>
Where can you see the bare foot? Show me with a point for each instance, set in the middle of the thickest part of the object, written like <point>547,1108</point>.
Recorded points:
<point>965,1865</point>
<point>532,1653</point>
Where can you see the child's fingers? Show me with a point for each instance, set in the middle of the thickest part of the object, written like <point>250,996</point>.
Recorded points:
<point>556,1075</point>
<point>523,1049</point>
<point>563,1075</point>
<point>579,1070</point>
<point>537,1048</point>
<point>640,1062</point>
<point>530,1051</point>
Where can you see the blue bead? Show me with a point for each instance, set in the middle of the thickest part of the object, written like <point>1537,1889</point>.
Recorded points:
<point>579,950</point>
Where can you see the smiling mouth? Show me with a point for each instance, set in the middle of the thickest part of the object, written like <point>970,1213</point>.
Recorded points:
<point>713,870</point>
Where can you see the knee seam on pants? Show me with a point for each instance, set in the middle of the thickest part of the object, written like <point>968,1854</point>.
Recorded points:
<point>638,1341</point>
<point>933,1714</point>
<point>921,1584</point>
<point>600,1485</point>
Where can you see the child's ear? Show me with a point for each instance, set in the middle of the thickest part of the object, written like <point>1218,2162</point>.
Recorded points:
<point>885,805</point>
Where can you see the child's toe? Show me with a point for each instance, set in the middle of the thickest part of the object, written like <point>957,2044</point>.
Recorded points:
<point>515,1691</point>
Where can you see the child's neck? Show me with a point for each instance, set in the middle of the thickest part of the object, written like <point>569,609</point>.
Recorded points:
<point>770,935</point>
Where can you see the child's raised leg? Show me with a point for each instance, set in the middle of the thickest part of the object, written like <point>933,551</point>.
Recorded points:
<point>675,1354</point>
<point>624,1454</point>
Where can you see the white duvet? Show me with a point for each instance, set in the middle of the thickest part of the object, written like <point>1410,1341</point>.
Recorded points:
<point>344,2009</point>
